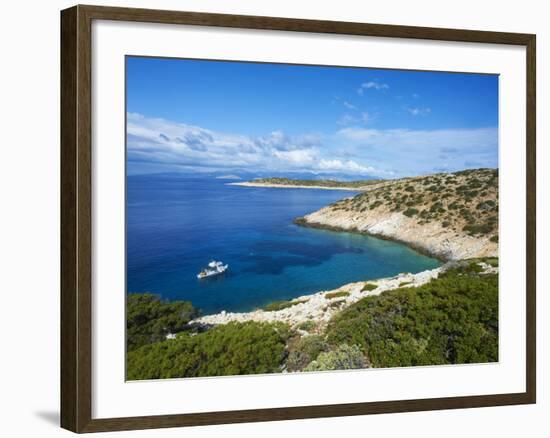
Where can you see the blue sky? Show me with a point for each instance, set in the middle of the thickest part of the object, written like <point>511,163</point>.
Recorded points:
<point>232,117</point>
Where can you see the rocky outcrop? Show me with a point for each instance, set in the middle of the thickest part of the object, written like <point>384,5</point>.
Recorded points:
<point>451,216</point>
<point>321,306</point>
<point>431,238</point>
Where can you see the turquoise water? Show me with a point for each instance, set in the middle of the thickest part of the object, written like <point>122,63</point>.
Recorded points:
<point>176,225</point>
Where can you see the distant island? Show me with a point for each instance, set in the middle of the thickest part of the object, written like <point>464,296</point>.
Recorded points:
<point>309,183</point>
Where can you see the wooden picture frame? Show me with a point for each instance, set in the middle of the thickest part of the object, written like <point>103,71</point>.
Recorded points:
<point>76,217</point>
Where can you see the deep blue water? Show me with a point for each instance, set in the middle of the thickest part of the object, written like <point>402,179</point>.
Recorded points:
<point>176,225</point>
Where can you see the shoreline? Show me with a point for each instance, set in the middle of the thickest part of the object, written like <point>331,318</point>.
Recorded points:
<point>294,186</point>
<point>432,238</point>
<point>302,222</point>
<point>318,307</point>
<point>321,306</point>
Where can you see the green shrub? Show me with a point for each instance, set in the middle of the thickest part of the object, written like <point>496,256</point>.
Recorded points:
<point>280,305</point>
<point>404,283</point>
<point>304,351</point>
<point>227,349</point>
<point>494,238</point>
<point>367,287</point>
<point>307,326</point>
<point>345,357</point>
<point>337,294</point>
<point>409,212</point>
<point>474,229</point>
<point>452,319</point>
<point>376,204</point>
<point>148,319</point>
<point>492,261</point>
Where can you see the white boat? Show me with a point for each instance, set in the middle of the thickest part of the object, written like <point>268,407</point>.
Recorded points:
<point>214,268</point>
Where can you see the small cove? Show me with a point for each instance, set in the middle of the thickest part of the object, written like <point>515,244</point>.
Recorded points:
<point>176,225</point>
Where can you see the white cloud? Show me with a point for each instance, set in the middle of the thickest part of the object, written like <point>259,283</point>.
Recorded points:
<point>176,146</point>
<point>410,152</point>
<point>346,119</point>
<point>366,117</point>
<point>299,157</point>
<point>419,111</point>
<point>353,151</point>
<point>349,166</point>
<point>349,106</point>
<point>372,85</point>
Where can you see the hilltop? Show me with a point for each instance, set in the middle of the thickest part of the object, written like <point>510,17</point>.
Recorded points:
<point>448,215</point>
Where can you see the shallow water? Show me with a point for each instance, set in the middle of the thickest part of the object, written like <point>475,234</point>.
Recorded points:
<point>176,225</point>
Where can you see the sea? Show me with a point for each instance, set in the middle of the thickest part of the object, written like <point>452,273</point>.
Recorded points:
<point>176,225</point>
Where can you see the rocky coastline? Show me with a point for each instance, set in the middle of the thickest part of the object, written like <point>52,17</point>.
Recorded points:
<point>321,306</point>
<point>451,217</point>
<point>432,239</point>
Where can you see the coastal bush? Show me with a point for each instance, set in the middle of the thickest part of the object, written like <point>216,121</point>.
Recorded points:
<point>452,319</point>
<point>409,212</point>
<point>303,351</point>
<point>148,319</point>
<point>336,304</point>
<point>227,349</point>
<point>367,287</point>
<point>494,238</point>
<point>280,305</point>
<point>337,294</point>
<point>375,204</point>
<point>474,229</point>
<point>344,357</point>
<point>463,268</point>
<point>307,325</point>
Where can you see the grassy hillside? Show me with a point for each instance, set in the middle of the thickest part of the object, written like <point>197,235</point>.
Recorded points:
<point>465,201</point>
<point>453,319</point>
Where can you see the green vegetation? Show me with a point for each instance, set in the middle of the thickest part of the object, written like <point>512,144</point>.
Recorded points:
<point>307,326</point>
<point>410,212</point>
<point>462,201</point>
<point>342,358</point>
<point>316,182</point>
<point>367,287</point>
<point>338,294</point>
<point>149,319</point>
<point>305,350</point>
<point>280,305</point>
<point>228,349</point>
<point>452,319</point>
<point>474,229</point>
